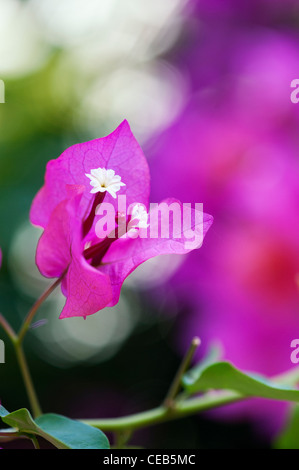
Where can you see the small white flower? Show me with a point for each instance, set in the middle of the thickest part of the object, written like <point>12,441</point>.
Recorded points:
<point>139,217</point>
<point>103,180</point>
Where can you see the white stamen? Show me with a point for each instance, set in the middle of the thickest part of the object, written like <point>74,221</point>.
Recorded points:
<point>103,180</point>
<point>139,217</point>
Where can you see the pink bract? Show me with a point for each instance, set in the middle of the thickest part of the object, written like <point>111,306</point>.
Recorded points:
<point>119,150</point>
<point>93,282</point>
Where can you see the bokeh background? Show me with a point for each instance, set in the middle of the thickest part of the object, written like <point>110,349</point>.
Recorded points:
<point>205,86</point>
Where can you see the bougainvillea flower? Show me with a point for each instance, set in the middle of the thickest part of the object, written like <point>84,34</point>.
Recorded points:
<point>119,152</point>
<point>85,178</point>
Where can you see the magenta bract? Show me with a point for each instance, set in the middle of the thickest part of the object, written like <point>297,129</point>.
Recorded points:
<point>92,269</point>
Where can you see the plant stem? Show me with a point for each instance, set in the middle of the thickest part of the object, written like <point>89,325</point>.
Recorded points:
<point>17,340</point>
<point>34,309</point>
<point>8,329</point>
<point>163,414</point>
<point>35,442</point>
<point>176,384</point>
<point>34,403</point>
<point>122,437</point>
<point>182,408</point>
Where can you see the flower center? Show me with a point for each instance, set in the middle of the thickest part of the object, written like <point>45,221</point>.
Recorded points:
<point>136,220</point>
<point>103,180</point>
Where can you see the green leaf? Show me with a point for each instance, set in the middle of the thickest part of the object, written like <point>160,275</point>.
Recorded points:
<point>224,376</point>
<point>3,411</point>
<point>193,375</point>
<point>74,434</point>
<point>289,438</point>
<point>62,432</point>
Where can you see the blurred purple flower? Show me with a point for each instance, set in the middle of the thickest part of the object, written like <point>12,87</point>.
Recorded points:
<point>238,151</point>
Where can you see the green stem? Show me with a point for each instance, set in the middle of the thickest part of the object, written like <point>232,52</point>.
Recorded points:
<point>34,403</point>
<point>183,408</point>
<point>35,442</point>
<point>163,414</point>
<point>122,437</point>
<point>17,340</point>
<point>176,384</point>
<point>34,309</point>
<point>8,329</point>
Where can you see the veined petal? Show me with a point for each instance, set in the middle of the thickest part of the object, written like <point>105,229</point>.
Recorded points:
<point>118,151</point>
<point>86,288</point>
<point>125,255</point>
<point>53,250</point>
